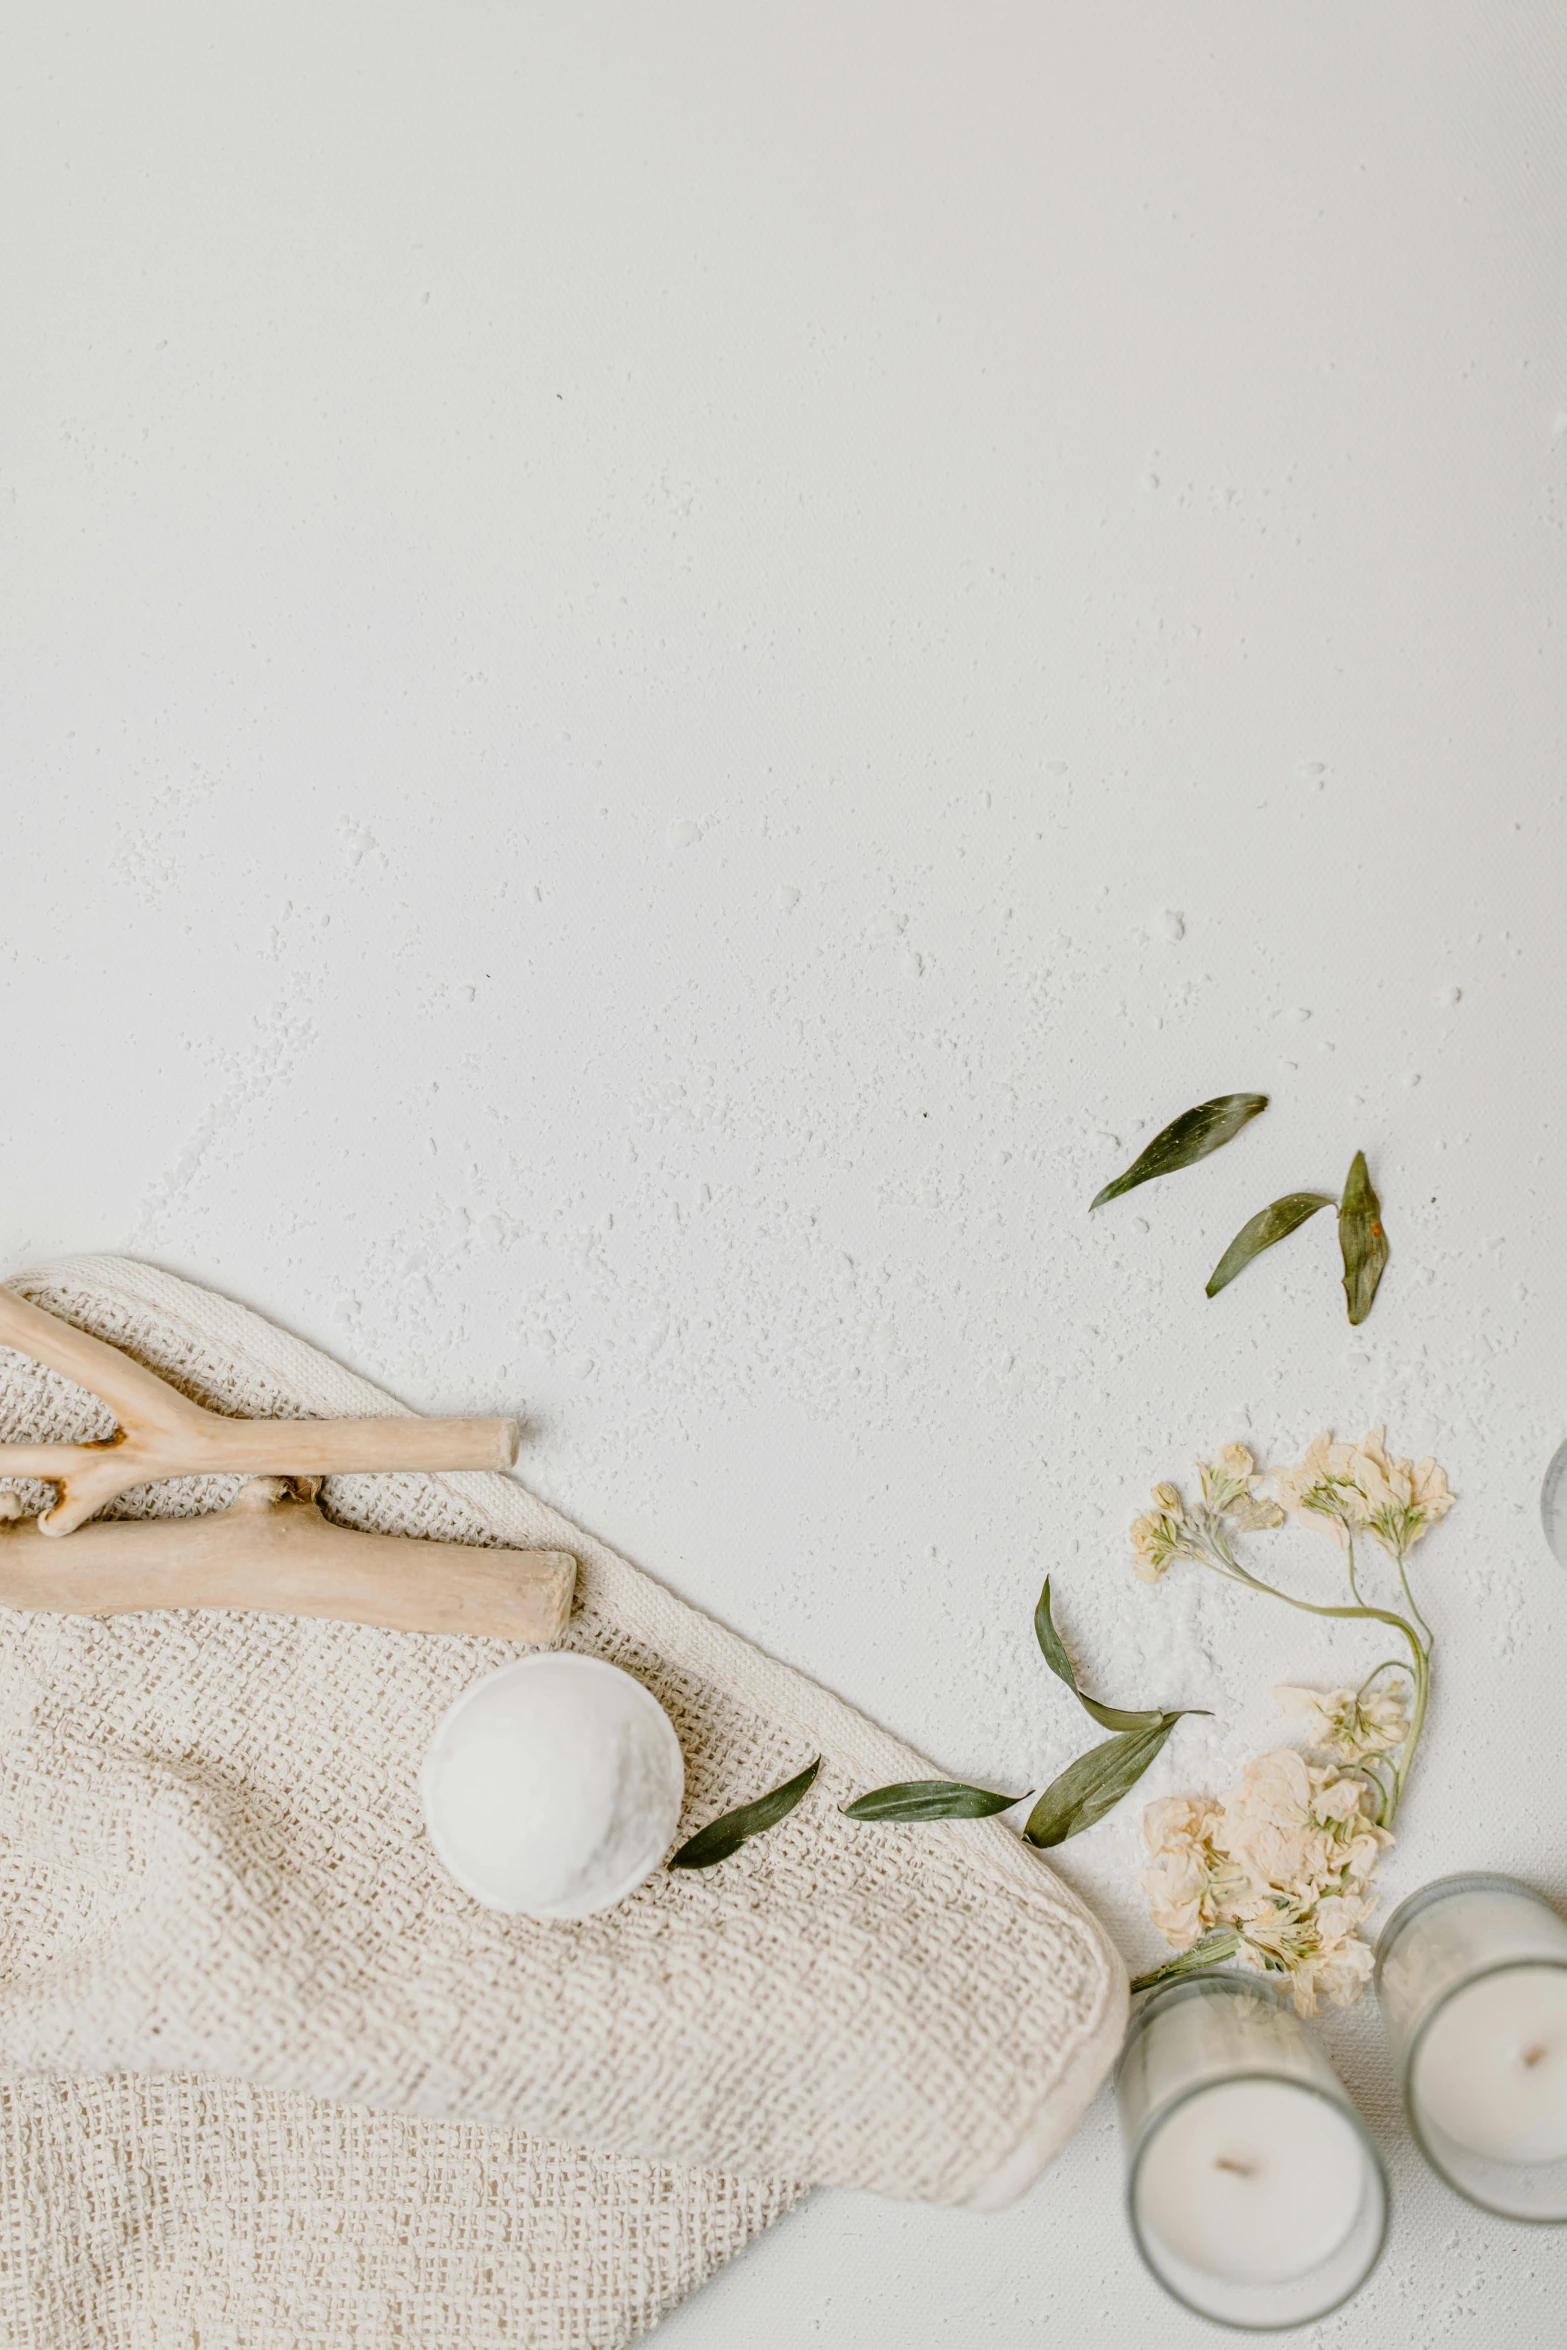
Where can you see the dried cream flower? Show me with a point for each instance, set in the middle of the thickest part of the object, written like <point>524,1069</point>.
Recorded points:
<point>1169,1531</point>
<point>1430,1492</point>
<point>1343,1809</point>
<point>1228,1490</point>
<point>1225,1480</point>
<point>1349,1723</point>
<point>1401,1498</point>
<point>1340,1970</point>
<point>1185,1877</point>
<point>1358,1488</point>
<point>1253,1513</point>
<point>1283,1863</point>
<point>1315,1944</point>
<point>1267,1828</point>
<point>1322,1484</point>
<point>1156,1539</point>
<point>1300,1828</point>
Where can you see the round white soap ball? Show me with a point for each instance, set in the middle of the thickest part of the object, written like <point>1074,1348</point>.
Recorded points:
<point>552,1788</point>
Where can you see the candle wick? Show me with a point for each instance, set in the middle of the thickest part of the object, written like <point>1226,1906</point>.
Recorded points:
<point>1536,2055</point>
<point>1242,2170</point>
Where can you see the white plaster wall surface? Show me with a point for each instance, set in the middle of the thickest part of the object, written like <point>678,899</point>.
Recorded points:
<point>673,670</point>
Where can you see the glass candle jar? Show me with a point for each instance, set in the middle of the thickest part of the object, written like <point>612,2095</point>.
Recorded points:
<point>1553,1505</point>
<point>1255,2194</point>
<point>1472,1981</point>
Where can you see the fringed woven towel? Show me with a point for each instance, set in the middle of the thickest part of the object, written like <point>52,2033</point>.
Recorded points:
<point>213,1865</point>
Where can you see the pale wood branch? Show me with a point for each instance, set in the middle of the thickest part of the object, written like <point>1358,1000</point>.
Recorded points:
<point>274,1551</point>
<point>163,1434</point>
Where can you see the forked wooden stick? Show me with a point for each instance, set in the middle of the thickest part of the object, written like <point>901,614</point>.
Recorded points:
<point>273,1550</point>
<point>163,1434</point>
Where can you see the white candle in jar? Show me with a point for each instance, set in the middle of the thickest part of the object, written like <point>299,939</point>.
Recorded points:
<point>1491,2069</point>
<point>1256,2196</point>
<point>1472,1983</point>
<point>1254,2181</point>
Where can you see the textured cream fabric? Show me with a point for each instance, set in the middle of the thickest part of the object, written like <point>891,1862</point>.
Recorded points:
<point>163,2214</point>
<point>212,1863</point>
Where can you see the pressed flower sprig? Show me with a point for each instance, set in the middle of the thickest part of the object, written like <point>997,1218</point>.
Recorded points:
<point>1277,1874</point>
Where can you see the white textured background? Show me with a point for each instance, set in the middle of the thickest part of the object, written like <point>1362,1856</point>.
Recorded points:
<point>672,671</point>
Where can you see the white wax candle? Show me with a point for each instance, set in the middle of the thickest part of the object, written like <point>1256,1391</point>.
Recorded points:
<point>1252,2181</point>
<point>1491,2072</point>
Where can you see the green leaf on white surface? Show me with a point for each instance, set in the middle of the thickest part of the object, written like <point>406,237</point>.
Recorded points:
<point>1109,1717</point>
<point>1266,1229</point>
<point>1188,1138</point>
<point>1361,1239</point>
<point>1095,1783</point>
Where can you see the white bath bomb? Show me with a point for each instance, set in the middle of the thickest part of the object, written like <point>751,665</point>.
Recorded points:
<point>553,1787</point>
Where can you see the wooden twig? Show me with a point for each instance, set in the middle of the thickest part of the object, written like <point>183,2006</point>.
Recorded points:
<point>273,1550</point>
<point>163,1434</point>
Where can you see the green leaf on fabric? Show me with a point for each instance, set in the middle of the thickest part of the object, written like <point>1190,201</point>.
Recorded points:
<point>1269,1226</point>
<point>1188,1138</point>
<point>1361,1239</point>
<point>928,1799</point>
<point>1109,1717</point>
<point>1095,1783</point>
<point>721,1837</point>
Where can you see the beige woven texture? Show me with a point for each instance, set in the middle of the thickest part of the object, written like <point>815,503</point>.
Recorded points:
<point>172,2213</point>
<point>213,1865</point>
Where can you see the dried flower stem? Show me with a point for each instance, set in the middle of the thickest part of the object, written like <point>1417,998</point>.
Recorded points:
<point>1205,1539</point>
<point>1277,1873</point>
<point>1212,1950</point>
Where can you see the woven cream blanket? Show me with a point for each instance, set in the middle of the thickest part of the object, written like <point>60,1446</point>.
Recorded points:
<point>270,2079</point>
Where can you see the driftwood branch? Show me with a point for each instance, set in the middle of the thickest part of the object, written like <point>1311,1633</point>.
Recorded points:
<point>273,1550</point>
<point>163,1434</point>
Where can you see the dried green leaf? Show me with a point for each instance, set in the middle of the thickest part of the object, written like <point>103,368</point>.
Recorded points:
<point>1095,1783</point>
<point>723,1836</point>
<point>1269,1225</point>
<point>1188,1138</point>
<point>1109,1717</point>
<point>1361,1239</point>
<point>928,1799</point>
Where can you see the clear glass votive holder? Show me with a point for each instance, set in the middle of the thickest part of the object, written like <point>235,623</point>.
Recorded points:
<point>1254,2191</point>
<point>1472,1980</point>
<point>1553,1505</point>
